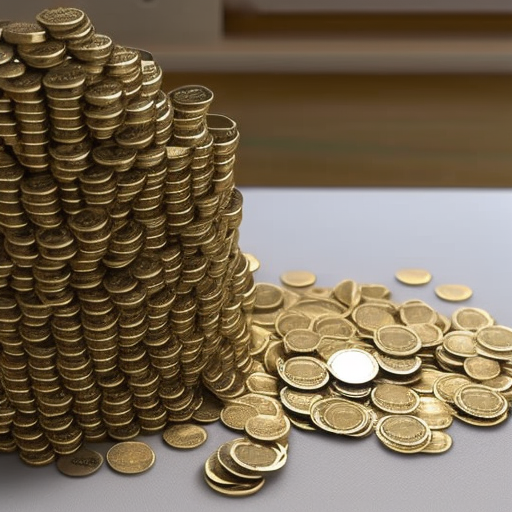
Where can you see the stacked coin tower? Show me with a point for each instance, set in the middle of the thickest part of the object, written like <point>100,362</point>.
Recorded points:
<point>123,292</point>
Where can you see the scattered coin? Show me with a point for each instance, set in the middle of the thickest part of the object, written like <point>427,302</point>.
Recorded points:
<point>298,278</point>
<point>453,292</point>
<point>83,462</point>
<point>413,276</point>
<point>130,457</point>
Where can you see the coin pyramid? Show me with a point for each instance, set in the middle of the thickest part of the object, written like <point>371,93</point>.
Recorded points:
<point>123,292</point>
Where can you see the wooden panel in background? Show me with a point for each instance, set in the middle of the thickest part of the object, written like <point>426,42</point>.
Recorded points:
<point>368,130</point>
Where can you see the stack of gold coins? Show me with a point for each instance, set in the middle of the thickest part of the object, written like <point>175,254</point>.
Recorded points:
<point>123,293</point>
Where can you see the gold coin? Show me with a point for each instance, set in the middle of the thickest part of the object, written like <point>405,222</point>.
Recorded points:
<point>480,401</point>
<point>495,338</point>
<point>403,433</point>
<point>481,368</point>
<point>374,291</point>
<point>303,372</point>
<point>353,366</point>
<point>370,316</point>
<point>298,278</point>
<point>434,412</point>
<point>471,319</point>
<point>315,307</point>
<point>413,276</point>
<point>83,462</point>
<point>254,263</point>
<point>130,457</point>
<point>301,341</point>
<point>263,404</point>
<point>334,325</point>
<point>256,457</point>
<point>439,443</point>
<point>238,489</point>
<point>417,312</point>
<point>235,415</point>
<point>185,436</point>
<point>395,399</point>
<point>397,340</point>
<point>288,321</point>
<point>266,428</point>
<point>500,383</point>
<point>398,365</point>
<point>226,461</point>
<point>262,383</point>
<point>269,297</point>
<point>298,402</point>
<point>347,292</point>
<point>260,339</point>
<point>453,292</point>
<point>340,416</point>
<point>460,343</point>
<point>446,386</point>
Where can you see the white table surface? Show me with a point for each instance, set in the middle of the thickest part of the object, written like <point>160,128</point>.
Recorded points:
<point>366,235</point>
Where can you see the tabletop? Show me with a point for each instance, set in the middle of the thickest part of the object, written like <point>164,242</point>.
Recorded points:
<point>460,236</point>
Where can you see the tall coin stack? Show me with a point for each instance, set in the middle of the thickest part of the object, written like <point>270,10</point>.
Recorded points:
<point>123,292</point>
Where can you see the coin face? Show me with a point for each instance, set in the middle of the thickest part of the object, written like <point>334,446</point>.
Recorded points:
<point>185,436</point>
<point>131,457</point>
<point>353,366</point>
<point>453,292</point>
<point>303,372</point>
<point>83,462</point>
<point>413,276</point>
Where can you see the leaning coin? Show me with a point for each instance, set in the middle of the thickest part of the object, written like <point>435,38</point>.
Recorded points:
<point>130,457</point>
<point>83,462</point>
<point>298,278</point>
<point>185,436</point>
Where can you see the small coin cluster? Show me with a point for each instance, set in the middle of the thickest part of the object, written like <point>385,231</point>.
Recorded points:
<point>123,292</point>
<point>350,361</point>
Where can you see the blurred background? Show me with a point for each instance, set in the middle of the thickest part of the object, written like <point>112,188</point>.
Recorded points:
<point>337,92</point>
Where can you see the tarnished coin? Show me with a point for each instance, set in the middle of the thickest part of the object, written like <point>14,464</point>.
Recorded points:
<point>481,368</point>
<point>439,443</point>
<point>303,372</point>
<point>395,399</point>
<point>83,462</point>
<point>453,292</point>
<point>298,278</point>
<point>413,276</point>
<point>397,340</point>
<point>437,414</point>
<point>185,436</point>
<point>353,366</point>
<point>131,457</point>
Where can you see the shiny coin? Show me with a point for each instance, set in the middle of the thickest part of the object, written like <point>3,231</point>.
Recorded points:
<point>254,263</point>
<point>334,325</point>
<point>298,402</point>
<point>370,317</point>
<point>303,372</point>
<point>439,443</point>
<point>83,462</point>
<point>446,386</point>
<point>263,404</point>
<point>262,383</point>
<point>413,276</point>
<point>185,436</point>
<point>395,399</point>
<point>460,343</point>
<point>288,321</point>
<point>256,457</point>
<point>453,292</point>
<point>339,416</point>
<point>130,457</point>
<point>353,366</point>
<point>398,365</point>
<point>480,401</point>
<point>481,368</point>
<point>298,278</point>
<point>434,412</point>
<point>397,340</point>
<point>417,312</point>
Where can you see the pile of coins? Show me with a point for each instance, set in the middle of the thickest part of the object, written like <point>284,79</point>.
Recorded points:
<point>349,361</point>
<point>123,292</point>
